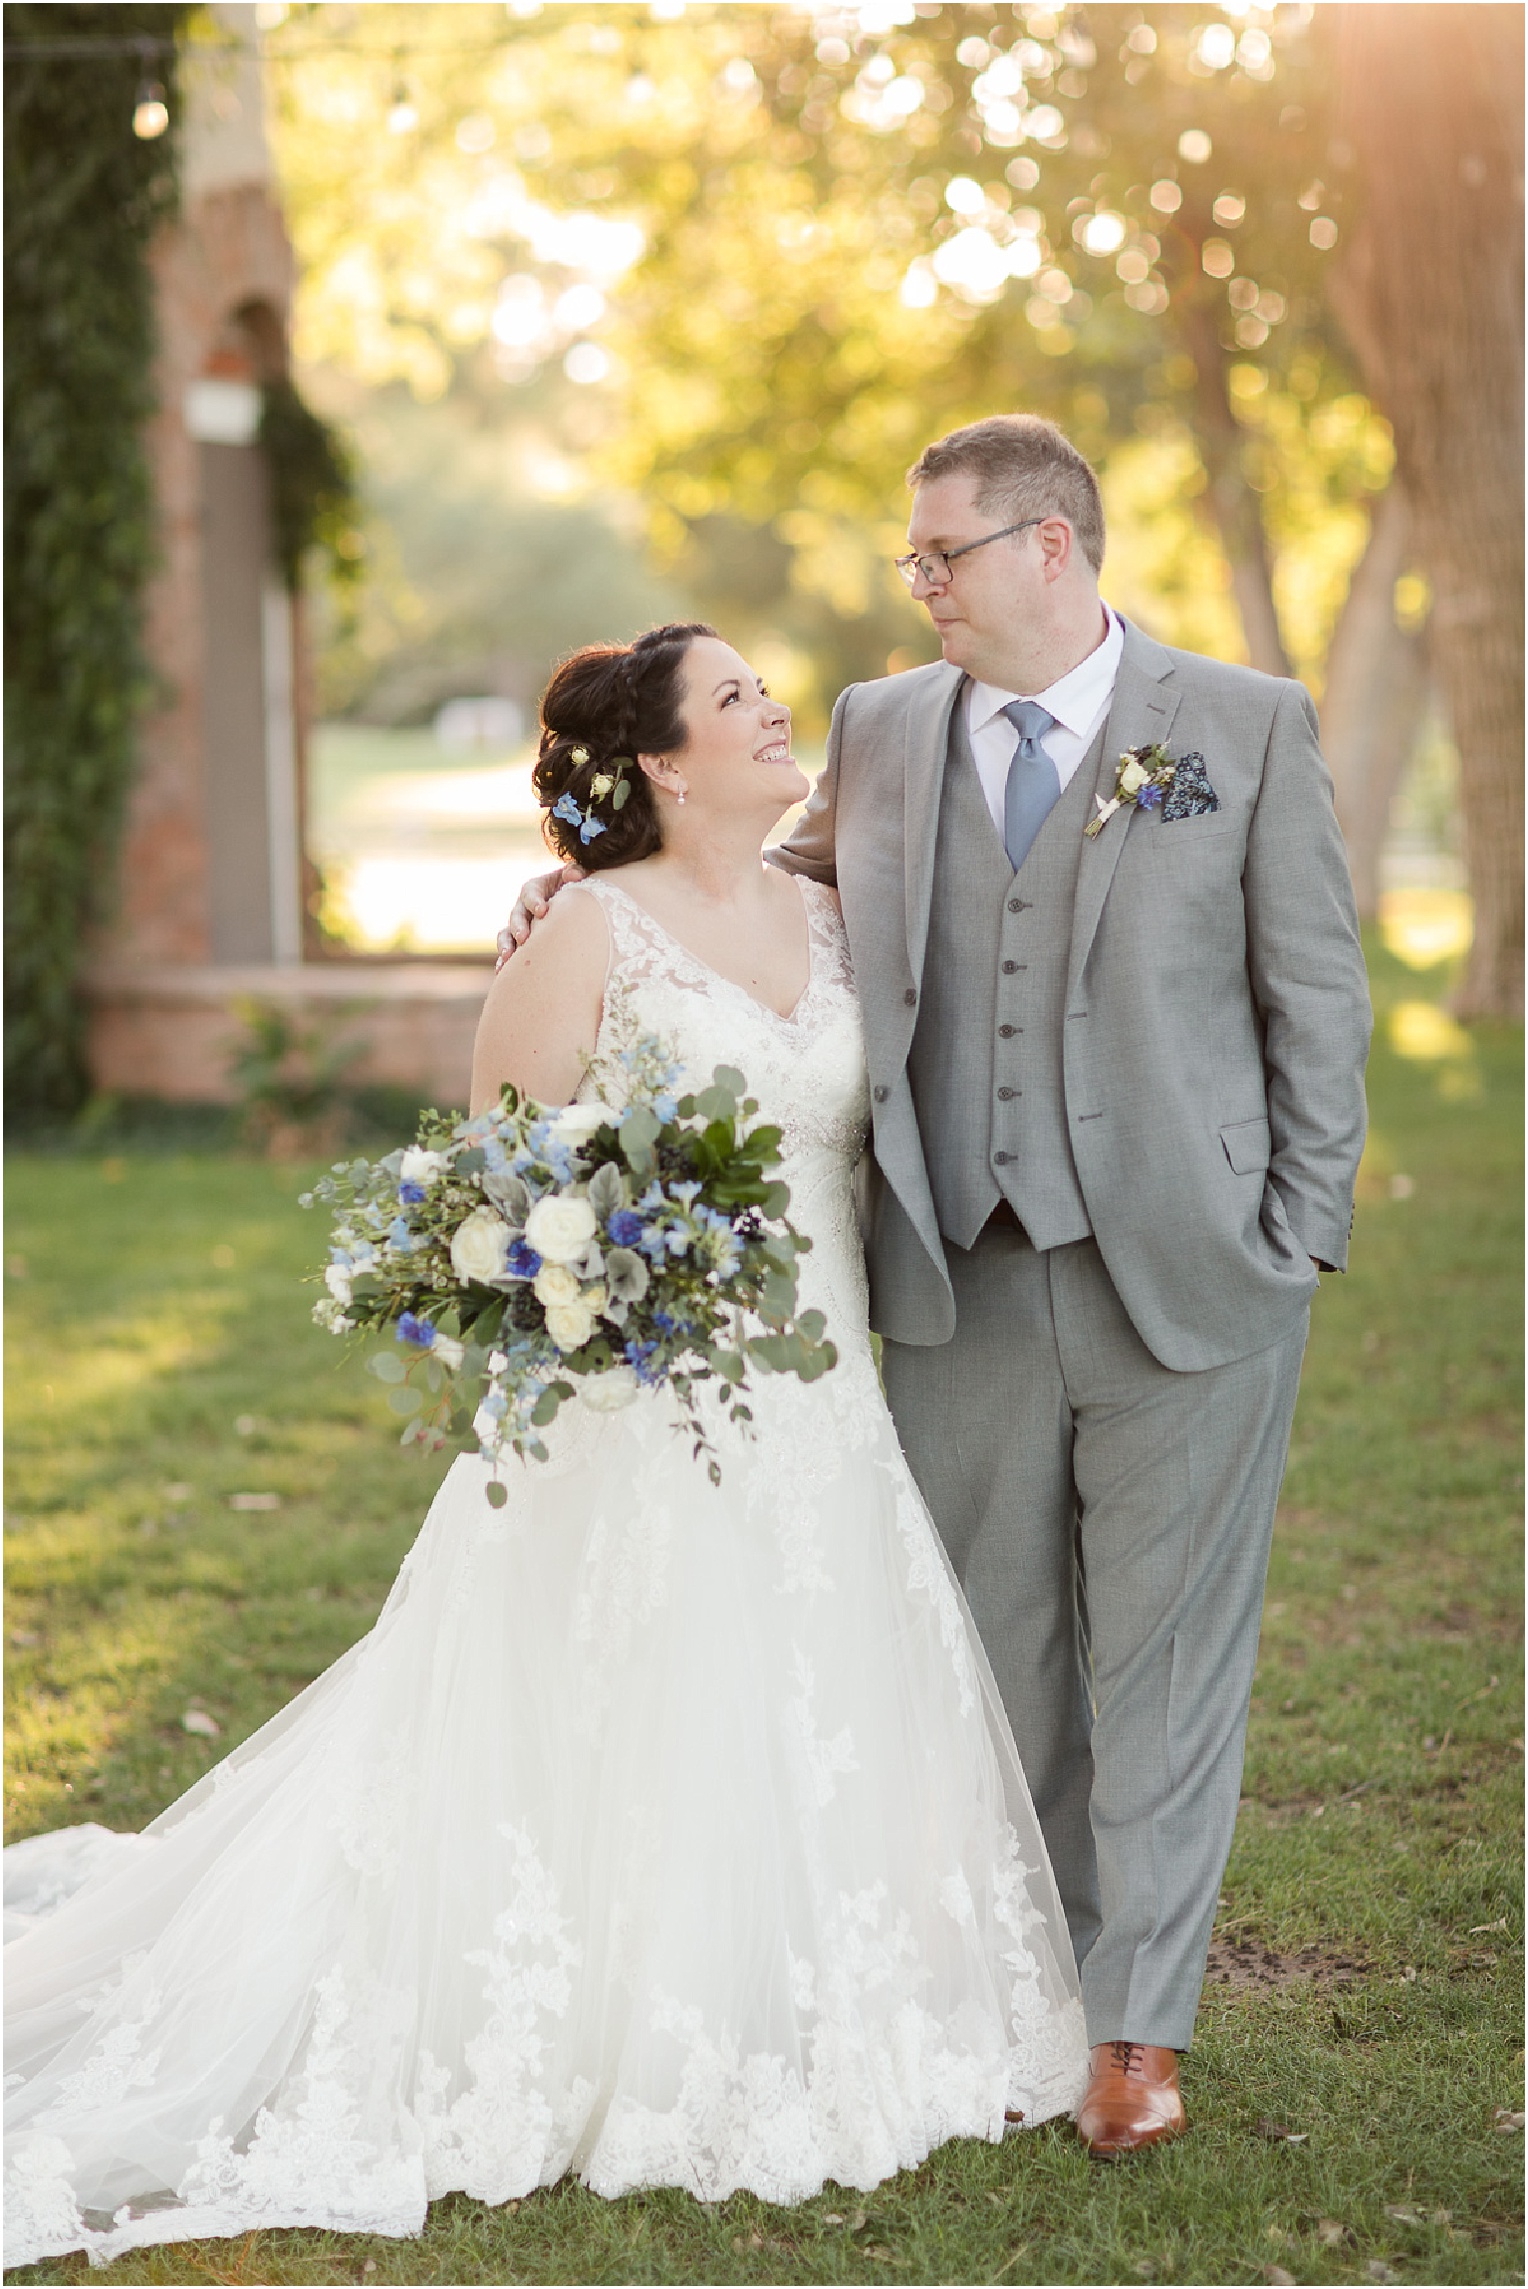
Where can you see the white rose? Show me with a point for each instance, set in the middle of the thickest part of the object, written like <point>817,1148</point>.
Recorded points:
<point>575,1124</point>
<point>606,1393</point>
<point>337,1281</point>
<point>555,1284</point>
<point>449,1352</point>
<point>560,1229</point>
<point>1133,778</point>
<point>421,1167</point>
<point>480,1247</point>
<point>570,1325</point>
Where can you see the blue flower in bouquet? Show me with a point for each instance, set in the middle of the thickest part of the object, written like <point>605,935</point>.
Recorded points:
<point>686,1194</point>
<point>523,1263</point>
<point>412,1329</point>
<point>553,1151</point>
<point>411,1194</point>
<point>640,1356</point>
<point>666,1108</point>
<point>399,1235</point>
<point>625,1228</point>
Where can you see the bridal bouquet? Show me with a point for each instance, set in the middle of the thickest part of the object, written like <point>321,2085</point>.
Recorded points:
<point>531,1253</point>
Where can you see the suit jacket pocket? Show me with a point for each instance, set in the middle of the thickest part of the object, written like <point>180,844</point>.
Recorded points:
<point>1247,1145</point>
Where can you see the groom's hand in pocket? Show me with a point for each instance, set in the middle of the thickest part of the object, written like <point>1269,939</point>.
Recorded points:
<point>530,908</point>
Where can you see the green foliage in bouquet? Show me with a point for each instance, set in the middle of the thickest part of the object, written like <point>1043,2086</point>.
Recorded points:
<point>533,1252</point>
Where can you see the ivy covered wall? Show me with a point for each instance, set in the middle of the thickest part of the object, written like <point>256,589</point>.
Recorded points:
<point>83,197</point>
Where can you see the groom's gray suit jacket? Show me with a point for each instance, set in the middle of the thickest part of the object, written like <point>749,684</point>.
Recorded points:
<point>1212,1008</point>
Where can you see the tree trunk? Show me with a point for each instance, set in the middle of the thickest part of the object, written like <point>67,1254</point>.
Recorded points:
<point>1237,511</point>
<point>1431,296</point>
<point>1376,696</point>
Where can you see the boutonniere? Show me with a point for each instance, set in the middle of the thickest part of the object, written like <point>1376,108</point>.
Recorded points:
<point>1141,780</point>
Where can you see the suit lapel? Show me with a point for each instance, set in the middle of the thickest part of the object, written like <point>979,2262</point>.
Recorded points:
<point>1140,714</point>
<point>927,734</point>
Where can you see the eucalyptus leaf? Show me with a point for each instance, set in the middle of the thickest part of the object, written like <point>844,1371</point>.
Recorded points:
<point>405,1401</point>
<point>639,1131</point>
<point>386,1366</point>
<point>497,1493</point>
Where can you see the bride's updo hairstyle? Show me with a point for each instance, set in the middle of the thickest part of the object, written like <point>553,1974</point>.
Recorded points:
<point>603,708</point>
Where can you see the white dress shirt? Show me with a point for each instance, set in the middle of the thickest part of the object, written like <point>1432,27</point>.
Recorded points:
<point>1079,701</point>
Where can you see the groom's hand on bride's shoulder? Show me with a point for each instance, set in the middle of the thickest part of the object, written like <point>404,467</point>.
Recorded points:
<point>530,908</point>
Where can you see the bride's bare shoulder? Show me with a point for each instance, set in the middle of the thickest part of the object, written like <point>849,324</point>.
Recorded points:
<point>542,1014</point>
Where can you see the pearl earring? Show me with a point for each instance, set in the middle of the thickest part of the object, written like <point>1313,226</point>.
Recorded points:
<point>681,794</point>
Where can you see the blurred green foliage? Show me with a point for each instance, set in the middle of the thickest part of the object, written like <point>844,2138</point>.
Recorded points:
<point>83,195</point>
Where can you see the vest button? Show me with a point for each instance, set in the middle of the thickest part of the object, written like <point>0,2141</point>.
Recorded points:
<point>1007,1031</point>
<point>1002,1158</point>
<point>881,1093</point>
<point>911,996</point>
<point>1005,1094</point>
<point>1009,968</point>
<point>1019,905</point>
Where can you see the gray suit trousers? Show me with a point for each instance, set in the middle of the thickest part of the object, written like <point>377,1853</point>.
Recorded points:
<point>1109,1519</point>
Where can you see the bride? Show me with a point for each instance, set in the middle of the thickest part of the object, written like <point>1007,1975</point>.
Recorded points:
<point>664,1833</point>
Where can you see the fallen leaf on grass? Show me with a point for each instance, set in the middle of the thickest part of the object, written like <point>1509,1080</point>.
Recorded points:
<point>1476,1929</point>
<point>833,2217</point>
<point>1280,2133</point>
<point>1505,2119</point>
<point>24,1637</point>
<point>754,2240</point>
<point>1402,2214</point>
<point>1378,2270</point>
<point>197,1721</point>
<point>254,1502</point>
<point>1279,2277</point>
<point>1331,2232</point>
<point>879,2251</point>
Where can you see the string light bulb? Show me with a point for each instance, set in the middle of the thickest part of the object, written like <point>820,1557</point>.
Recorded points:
<point>151,114</point>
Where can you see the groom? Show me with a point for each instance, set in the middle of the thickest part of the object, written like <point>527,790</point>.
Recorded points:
<point>1118,1110</point>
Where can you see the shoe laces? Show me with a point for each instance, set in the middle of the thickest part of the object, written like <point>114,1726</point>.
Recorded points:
<point>1129,2058</point>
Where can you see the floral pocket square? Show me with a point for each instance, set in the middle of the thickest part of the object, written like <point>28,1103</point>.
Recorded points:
<point>1190,795</point>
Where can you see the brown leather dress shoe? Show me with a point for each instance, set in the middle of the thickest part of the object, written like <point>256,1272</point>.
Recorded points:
<point>1132,2100</point>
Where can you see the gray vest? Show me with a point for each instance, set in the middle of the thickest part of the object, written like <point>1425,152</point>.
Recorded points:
<point>986,1060</point>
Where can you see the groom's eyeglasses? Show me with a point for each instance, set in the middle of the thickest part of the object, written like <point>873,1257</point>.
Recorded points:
<point>935,567</point>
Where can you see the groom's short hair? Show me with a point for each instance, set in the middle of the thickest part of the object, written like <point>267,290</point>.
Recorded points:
<point>1025,467</point>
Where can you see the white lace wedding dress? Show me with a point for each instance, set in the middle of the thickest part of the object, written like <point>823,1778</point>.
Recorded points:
<point>668,1834</point>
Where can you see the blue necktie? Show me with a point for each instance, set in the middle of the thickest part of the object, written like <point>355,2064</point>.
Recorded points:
<point>1033,784</point>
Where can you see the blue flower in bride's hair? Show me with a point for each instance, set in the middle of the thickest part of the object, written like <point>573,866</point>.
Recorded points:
<point>566,809</point>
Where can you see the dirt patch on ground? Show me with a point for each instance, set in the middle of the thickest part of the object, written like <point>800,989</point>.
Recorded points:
<point>1250,1966</point>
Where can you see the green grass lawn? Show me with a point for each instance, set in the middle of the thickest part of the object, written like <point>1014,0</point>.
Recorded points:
<point>1353,2063</point>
